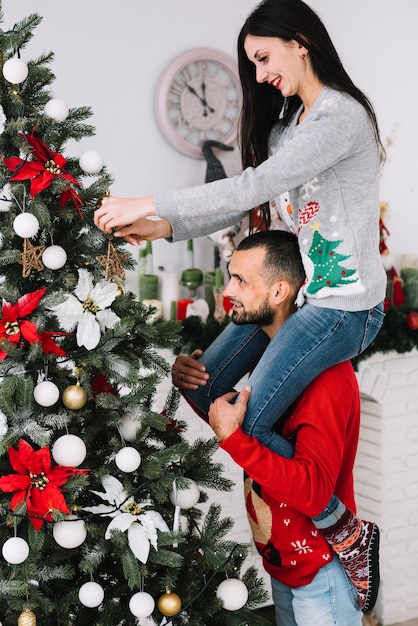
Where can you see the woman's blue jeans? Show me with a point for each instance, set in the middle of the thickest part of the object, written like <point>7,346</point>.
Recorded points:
<point>329,600</point>
<point>310,341</point>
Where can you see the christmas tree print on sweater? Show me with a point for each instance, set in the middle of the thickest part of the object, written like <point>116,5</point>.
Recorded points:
<point>327,269</point>
<point>325,273</point>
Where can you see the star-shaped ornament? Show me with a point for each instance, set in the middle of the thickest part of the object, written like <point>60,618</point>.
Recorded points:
<point>31,258</point>
<point>113,262</point>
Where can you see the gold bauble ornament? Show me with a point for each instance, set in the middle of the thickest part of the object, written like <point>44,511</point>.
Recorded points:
<point>169,604</point>
<point>27,618</point>
<point>74,397</point>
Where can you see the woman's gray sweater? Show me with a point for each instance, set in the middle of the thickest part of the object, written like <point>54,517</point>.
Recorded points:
<point>322,178</point>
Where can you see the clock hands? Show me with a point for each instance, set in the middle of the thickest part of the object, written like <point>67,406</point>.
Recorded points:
<point>202,98</point>
<point>205,104</point>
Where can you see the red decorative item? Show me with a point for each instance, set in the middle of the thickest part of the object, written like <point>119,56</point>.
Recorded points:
<point>48,344</point>
<point>36,483</point>
<point>383,234</point>
<point>182,307</point>
<point>14,327</point>
<point>43,170</point>
<point>100,384</point>
<point>227,304</point>
<point>395,294</point>
<point>173,426</point>
<point>412,321</point>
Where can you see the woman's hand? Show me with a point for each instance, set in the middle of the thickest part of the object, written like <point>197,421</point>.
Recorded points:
<point>132,219</point>
<point>145,230</point>
<point>116,213</point>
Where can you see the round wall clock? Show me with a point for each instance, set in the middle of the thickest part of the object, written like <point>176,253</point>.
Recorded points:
<point>198,98</point>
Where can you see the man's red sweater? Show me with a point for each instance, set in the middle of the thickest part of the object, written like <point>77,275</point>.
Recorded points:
<point>282,495</point>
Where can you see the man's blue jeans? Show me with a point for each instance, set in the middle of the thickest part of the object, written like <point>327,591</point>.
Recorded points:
<point>329,600</point>
<point>311,340</point>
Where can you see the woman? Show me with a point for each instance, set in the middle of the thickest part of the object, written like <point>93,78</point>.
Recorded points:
<point>310,146</point>
<point>311,156</point>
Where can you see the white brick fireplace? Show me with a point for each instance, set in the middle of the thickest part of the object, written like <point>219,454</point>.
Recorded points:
<point>386,476</point>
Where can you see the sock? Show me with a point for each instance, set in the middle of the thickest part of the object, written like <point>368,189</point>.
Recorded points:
<point>356,544</point>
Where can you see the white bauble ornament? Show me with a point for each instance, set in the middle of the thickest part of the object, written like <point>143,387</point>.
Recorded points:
<point>141,604</point>
<point>129,428</point>
<point>15,71</point>
<point>186,498</point>
<point>69,451</point>
<point>25,225</point>
<point>70,534</point>
<point>91,594</point>
<point>128,459</point>
<point>54,257</point>
<point>56,109</point>
<point>91,162</point>
<point>46,393</point>
<point>233,593</point>
<point>15,550</point>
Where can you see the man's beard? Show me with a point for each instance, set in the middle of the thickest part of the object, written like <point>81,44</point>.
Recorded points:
<point>263,316</point>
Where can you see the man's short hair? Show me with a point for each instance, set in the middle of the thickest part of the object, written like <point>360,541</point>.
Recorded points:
<point>283,260</point>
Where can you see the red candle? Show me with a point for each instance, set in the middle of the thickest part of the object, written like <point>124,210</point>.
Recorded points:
<point>181,308</point>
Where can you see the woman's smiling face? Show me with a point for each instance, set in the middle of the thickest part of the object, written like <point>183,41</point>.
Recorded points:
<point>278,62</point>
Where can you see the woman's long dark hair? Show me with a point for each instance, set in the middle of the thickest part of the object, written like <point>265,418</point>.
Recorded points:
<point>262,105</point>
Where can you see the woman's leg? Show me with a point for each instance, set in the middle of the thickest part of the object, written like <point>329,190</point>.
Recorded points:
<point>310,341</point>
<point>234,353</point>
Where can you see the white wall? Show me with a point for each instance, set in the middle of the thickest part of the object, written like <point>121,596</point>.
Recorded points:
<point>110,56</point>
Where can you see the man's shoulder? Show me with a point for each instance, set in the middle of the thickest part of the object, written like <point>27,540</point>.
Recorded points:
<point>340,374</point>
<point>345,368</point>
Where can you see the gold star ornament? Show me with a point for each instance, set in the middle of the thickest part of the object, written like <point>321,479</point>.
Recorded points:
<point>31,258</point>
<point>113,262</point>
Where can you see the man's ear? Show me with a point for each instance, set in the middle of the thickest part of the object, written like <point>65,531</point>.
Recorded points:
<point>281,290</point>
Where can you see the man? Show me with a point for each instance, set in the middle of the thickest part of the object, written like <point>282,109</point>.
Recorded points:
<point>282,494</point>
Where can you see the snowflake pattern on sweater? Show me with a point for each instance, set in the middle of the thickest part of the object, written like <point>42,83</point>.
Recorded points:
<point>291,547</point>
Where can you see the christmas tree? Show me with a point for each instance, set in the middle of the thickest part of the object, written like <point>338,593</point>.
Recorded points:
<point>99,493</point>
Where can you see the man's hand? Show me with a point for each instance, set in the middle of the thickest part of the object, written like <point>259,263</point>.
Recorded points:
<point>188,373</point>
<point>225,417</point>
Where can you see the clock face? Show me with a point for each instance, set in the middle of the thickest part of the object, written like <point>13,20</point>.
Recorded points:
<point>199,98</point>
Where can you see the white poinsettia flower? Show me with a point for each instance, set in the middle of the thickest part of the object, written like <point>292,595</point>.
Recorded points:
<point>3,426</point>
<point>88,309</point>
<point>3,119</point>
<point>130,516</point>
<point>5,197</point>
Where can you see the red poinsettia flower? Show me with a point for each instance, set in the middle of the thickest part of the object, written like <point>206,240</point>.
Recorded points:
<point>43,170</point>
<point>37,483</point>
<point>48,344</point>
<point>14,326</point>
